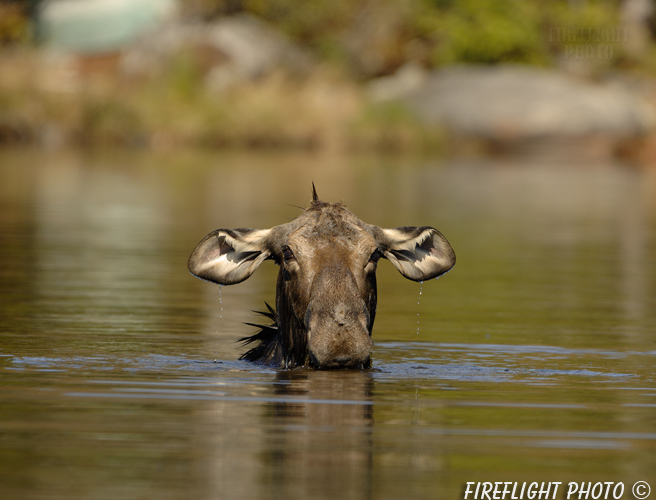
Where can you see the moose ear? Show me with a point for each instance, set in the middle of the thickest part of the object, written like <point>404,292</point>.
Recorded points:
<point>229,256</point>
<point>418,253</point>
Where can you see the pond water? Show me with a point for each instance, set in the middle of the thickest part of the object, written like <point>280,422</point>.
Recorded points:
<point>532,360</point>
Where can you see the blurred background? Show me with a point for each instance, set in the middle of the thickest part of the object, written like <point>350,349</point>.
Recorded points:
<point>465,77</point>
<point>521,129</point>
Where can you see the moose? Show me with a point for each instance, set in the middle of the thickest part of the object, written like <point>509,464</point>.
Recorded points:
<point>326,286</point>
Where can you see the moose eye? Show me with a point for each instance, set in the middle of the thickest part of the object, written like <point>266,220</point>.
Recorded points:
<point>287,254</point>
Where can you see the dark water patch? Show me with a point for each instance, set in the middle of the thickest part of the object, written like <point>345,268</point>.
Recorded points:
<point>498,363</point>
<point>520,405</point>
<point>581,373</point>
<point>401,361</point>
<point>470,372</point>
<point>214,396</point>
<point>582,444</point>
<point>557,434</point>
<point>507,349</point>
<point>464,372</point>
<point>151,363</point>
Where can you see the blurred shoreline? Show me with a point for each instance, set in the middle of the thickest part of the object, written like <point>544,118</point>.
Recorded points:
<point>240,82</point>
<point>56,100</point>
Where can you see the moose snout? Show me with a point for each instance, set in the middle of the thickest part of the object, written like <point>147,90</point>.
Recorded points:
<point>352,356</point>
<point>339,337</point>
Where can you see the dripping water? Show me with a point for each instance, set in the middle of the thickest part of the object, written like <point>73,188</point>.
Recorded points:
<point>421,288</point>
<point>220,301</point>
<point>221,311</point>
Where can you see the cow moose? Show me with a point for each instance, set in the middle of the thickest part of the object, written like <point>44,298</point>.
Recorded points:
<point>326,287</point>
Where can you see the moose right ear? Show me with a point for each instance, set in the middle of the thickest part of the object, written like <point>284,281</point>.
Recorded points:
<point>229,256</point>
<point>418,253</point>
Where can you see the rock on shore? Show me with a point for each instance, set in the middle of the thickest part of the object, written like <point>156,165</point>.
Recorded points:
<point>515,104</point>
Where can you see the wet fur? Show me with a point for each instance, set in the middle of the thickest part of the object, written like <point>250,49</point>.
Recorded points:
<point>270,348</point>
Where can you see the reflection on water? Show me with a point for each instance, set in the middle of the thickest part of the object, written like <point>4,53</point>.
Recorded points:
<point>321,435</point>
<point>119,375</point>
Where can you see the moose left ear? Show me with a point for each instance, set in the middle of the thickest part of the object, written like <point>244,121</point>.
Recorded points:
<point>418,253</point>
<point>229,256</point>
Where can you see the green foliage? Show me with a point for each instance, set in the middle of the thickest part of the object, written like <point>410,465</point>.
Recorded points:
<point>449,31</point>
<point>108,121</point>
<point>184,76</point>
<point>597,14</point>
<point>315,24</point>
<point>305,20</point>
<point>390,126</point>
<point>486,31</point>
<point>14,23</point>
<point>326,110</point>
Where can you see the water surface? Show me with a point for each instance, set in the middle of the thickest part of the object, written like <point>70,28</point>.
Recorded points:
<point>533,360</point>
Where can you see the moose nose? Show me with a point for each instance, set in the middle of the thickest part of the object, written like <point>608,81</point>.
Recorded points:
<point>343,360</point>
<point>338,334</point>
<point>330,348</point>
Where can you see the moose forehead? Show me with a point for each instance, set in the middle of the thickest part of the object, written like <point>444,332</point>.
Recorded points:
<point>329,224</point>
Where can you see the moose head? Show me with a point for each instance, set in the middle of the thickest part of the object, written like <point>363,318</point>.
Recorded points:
<point>326,288</point>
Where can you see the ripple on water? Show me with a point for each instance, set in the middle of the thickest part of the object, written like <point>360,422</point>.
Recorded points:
<point>490,362</point>
<point>392,360</point>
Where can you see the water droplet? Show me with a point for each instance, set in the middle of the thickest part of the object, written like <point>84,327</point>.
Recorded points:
<point>421,288</point>
<point>221,301</point>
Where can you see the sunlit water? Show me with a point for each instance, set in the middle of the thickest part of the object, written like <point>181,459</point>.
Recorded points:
<point>533,360</point>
